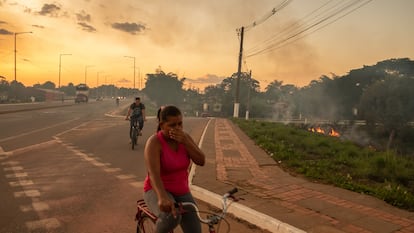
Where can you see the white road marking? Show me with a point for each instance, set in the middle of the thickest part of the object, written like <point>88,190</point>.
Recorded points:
<point>112,169</point>
<point>98,164</point>
<point>16,175</point>
<point>137,184</point>
<point>48,223</point>
<point>35,206</point>
<point>27,193</point>
<point>124,177</point>
<point>21,183</point>
<point>15,168</point>
<point>36,130</point>
<point>11,163</point>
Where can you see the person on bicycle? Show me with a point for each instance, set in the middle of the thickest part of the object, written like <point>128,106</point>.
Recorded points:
<point>136,113</point>
<point>168,154</point>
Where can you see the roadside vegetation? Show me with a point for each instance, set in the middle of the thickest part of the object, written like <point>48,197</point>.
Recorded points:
<point>332,160</point>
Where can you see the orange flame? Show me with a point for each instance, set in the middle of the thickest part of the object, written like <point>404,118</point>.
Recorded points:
<point>332,132</point>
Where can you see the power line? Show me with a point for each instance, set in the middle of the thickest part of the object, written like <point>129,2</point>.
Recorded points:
<point>321,20</point>
<point>268,15</point>
<point>289,28</point>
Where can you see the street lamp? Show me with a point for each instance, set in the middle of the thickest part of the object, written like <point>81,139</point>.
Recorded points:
<point>15,51</point>
<point>60,63</point>
<point>97,83</point>
<point>97,78</point>
<point>134,68</point>
<point>86,69</point>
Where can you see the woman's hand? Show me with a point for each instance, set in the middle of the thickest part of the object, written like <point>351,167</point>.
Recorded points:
<point>178,135</point>
<point>167,205</point>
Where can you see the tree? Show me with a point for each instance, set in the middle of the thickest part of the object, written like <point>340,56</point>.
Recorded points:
<point>164,88</point>
<point>389,103</point>
<point>48,85</point>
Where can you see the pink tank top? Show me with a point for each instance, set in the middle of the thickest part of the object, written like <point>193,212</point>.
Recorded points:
<point>174,168</point>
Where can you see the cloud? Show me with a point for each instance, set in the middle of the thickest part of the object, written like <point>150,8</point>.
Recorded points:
<point>124,80</point>
<point>50,9</point>
<point>131,28</point>
<point>83,16</point>
<point>207,79</point>
<point>38,26</point>
<point>87,27</point>
<point>5,32</point>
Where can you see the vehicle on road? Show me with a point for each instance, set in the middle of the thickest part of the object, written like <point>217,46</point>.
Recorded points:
<point>82,93</point>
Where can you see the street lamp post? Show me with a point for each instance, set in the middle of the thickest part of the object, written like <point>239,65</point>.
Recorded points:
<point>15,51</point>
<point>97,82</point>
<point>86,70</point>
<point>60,63</point>
<point>134,68</point>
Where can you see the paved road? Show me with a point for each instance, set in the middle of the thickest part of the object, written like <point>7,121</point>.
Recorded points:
<point>71,169</point>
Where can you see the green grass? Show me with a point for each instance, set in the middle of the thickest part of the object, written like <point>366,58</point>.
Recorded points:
<point>331,160</point>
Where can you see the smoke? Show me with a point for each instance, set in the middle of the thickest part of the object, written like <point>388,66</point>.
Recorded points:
<point>131,28</point>
<point>83,16</point>
<point>87,27</point>
<point>359,137</point>
<point>5,32</point>
<point>50,10</point>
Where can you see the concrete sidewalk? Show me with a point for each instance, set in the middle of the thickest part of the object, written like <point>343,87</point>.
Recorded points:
<point>279,202</point>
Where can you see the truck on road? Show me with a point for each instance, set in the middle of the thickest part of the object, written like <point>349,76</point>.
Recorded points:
<point>82,93</point>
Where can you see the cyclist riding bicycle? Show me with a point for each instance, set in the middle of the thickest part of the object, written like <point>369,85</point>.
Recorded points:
<point>136,113</point>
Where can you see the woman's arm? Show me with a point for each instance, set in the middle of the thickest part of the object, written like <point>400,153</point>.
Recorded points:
<point>152,155</point>
<point>195,153</point>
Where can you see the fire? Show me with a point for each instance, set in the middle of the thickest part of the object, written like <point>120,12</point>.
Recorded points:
<point>317,130</point>
<point>331,132</point>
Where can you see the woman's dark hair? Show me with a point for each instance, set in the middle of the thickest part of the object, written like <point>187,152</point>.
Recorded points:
<point>166,111</point>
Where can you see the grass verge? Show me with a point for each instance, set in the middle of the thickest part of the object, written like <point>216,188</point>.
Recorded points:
<point>332,160</point>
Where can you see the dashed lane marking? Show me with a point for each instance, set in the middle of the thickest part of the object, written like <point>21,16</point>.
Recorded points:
<point>10,163</point>
<point>15,168</point>
<point>137,184</point>
<point>105,166</point>
<point>124,177</point>
<point>21,183</point>
<point>16,175</point>
<point>48,223</point>
<point>28,193</point>
<point>109,170</point>
<point>35,206</point>
<point>37,130</point>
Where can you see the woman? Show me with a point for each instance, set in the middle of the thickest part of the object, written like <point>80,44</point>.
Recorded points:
<point>168,154</point>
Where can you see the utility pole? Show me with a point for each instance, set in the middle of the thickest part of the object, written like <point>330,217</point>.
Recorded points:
<point>15,51</point>
<point>236,101</point>
<point>60,64</point>
<point>248,95</point>
<point>134,68</point>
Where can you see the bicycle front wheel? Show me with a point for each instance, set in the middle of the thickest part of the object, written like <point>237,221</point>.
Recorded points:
<point>146,225</point>
<point>134,137</point>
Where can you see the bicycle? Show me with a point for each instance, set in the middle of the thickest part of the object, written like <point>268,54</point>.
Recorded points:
<point>146,219</point>
<point>135,132</point>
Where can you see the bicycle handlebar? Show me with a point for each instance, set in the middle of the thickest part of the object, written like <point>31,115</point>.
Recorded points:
<point>213,219</point>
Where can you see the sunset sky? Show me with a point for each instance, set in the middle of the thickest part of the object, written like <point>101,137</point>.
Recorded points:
<point>301,41</point>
